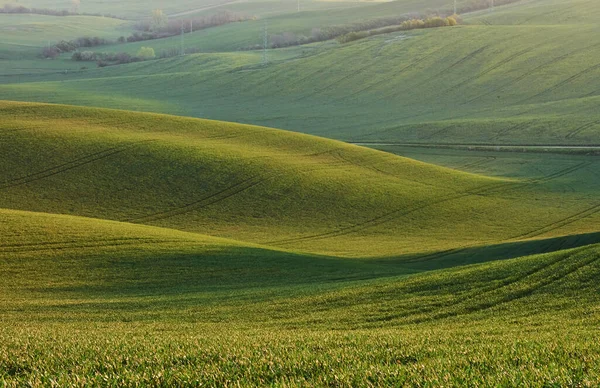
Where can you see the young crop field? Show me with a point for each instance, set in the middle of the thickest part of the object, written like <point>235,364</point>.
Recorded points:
<point>119,304</point>
<point>426,214</point>
<point>469,84</point>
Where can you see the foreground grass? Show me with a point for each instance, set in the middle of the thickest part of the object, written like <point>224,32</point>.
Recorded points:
<point>87,314</point>
<point>195,355</point>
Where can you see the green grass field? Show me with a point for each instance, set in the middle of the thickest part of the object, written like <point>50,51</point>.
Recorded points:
<point>91,302</point>
<point>459,249</point>
<point>136,9</point>
<point>143,249</point>
<point>471,84</point>
<point>325,197</point>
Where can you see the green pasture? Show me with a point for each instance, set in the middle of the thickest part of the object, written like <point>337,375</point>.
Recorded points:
<point>471,84</point>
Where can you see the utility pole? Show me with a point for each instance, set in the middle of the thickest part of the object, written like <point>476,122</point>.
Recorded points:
<point>492,5</point>
<point>191,25</point>
<point>265,42</point>
<point>454,7</point>
<point>298,5</point>
<point>182,43</point>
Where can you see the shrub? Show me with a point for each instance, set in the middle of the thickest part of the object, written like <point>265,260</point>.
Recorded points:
<point>66,46</point>
<point>352,36</point>
<point>435,21</point>
<point>450,21</point>
<point>50,52</point>
<point>146,53</point>
<point>84,56</point>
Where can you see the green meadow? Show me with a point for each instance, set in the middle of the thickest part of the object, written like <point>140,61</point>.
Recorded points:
<point>484,82</point>
<point>411,209</point>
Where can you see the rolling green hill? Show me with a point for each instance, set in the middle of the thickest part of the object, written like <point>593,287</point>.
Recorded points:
<point>473,84</point>
<point>112,303</point>
<point>460,249</point>
<point>24,36</point>
<point>273,187</point>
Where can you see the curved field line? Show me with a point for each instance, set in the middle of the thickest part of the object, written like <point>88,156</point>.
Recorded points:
<point>437,76</point>
<point>399,71</point>
<point>384,218</point>
<point>505,131</point>
<point>202,202</point>
<point>560,173</point>
<point>55,170</point>
<point>561,83</point>
<point>216,197</point>
<point>542,15</point>
<point>532,71</point>
<point>581,129</point>
<point>560,223</point>
<point>492,68</point>
<point>82,244</point>
<point>377,170</point>
<point>477,294</point>
<point>552,277</point>
<point>484,160</point>
<point>441,73</point>
<point>453,307</point>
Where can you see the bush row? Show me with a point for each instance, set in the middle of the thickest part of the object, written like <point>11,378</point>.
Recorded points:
<point>413,24</point>
<point>67,46</point>
<point>143,54</point>
<point>366,28</point>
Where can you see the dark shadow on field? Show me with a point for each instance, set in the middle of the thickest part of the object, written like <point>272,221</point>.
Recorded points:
<point>131,273</point>
<point>482,254</point>
<point>236,269</point>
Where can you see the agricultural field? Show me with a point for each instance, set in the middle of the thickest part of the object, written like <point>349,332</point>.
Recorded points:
<point>477,83</point>
<point>411,208</point>
<point>146,285</point>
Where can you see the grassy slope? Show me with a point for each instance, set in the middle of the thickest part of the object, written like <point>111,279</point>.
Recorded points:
<point>269,186</point>
<point>236,36</point>
<point>23,36</point>
<point>137,9</point>
<point>120,303</point>
<point>487,84</point>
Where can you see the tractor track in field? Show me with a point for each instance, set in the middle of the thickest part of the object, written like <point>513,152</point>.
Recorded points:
<point>492,68</point>
<point>79,244</point>
<point>560,223</point>
<point>73,164</point>
<point>463,299</point>
<point>377,170</point>
<point>382,219</point>
<point>202,202</point>
<point>352,73</point>
<point>494,188</point>
<point>553,269</point>
<point>318,71</point>
<point>400,71</point>
<point>441,73</point>
<point>561,83</point>
<point>552,273</point>
<point>506,131</point>
<point>542,15</point>
<point>532,71</point>
<point>437,76</point>
<point>560,173</point>
<point>223,194</point>
<point>483,160</point>
<point>582,128</point>
<point>438,132</point>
